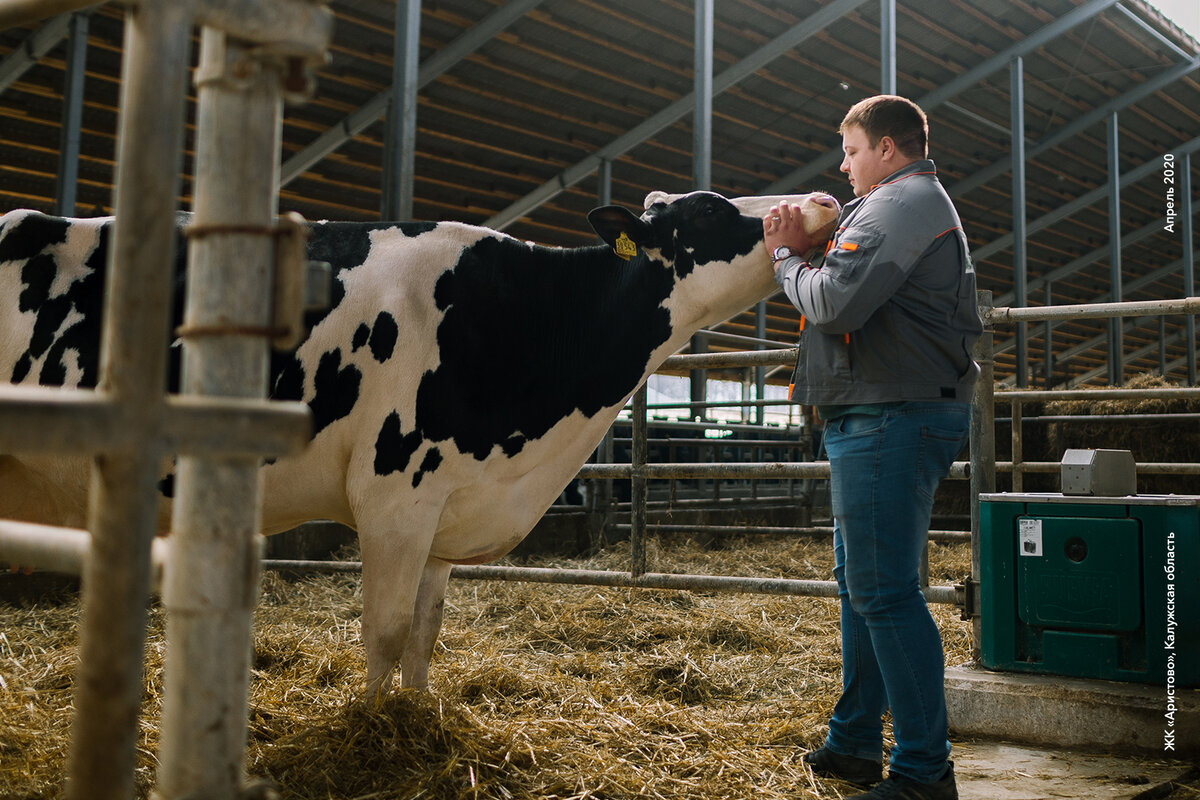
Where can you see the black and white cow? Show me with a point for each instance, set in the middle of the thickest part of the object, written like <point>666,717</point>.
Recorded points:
<point>457,383</point>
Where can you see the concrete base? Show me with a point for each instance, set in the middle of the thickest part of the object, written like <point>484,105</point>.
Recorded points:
<point>1001,771</point>
<point>1060,712</point>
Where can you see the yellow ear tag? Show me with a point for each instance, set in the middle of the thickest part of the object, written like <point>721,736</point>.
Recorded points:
<point>624,246</point>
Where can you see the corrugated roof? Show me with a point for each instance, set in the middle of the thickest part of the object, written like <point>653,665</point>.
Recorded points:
<point>570,78</point>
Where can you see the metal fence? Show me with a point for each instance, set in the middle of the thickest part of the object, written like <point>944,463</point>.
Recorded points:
<point>980,470</point>
<point>135,425</point>
<point>252,53</point>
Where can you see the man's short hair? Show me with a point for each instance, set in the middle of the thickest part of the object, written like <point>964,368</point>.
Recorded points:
<point>890,115</point>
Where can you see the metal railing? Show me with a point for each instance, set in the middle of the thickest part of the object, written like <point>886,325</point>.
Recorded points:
<point>980,470</point>
<point>252,53</point>
<point>983,433</point>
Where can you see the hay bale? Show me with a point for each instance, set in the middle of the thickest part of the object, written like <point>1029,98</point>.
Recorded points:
<point>1149,440</point>
<point>1153,440</point>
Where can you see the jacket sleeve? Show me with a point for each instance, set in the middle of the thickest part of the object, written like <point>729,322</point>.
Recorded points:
<point>867,263</point>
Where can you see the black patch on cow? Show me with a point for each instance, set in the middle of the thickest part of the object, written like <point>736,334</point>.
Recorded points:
<point>32,235</point>
<point>361,335</point>
<point>37,275</point>
<point>343,247</point>
<point>532,334</point>
<point>693,231</point>
<point>166,487</point>
<point>287,378</point>
<point>49,340</point>
<point>394,448</point>
<point>430,463</point>
<point>700,228</point>
<point>82,300</point>
<point>384,333</point>
<point>179,295</point>
<point>444,290</point>
<point>346,245</point>
<point>335,390</point>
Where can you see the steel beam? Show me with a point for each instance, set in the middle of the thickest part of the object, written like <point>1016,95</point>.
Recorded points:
<point>1162,346</point>
<point>66,182</point>
<point>370,112</point>
<point>809,27</point>
<point>969,78</point>
<point>1048,341</point>
<point>702,91</point>
<point>1153,32</point>
<point>1116,356</point>
<point>887,46</point>
<point>604,184</point>
<point>400,141</point>
<point>30,51</point>
<point>1020,255</point>
<point>1093,117</point>
<point>1064,211</point>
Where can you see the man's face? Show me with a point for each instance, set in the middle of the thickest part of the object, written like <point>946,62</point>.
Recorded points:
<point>865,165</point>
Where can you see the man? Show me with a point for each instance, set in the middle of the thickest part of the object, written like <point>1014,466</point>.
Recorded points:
<point>889,322</point>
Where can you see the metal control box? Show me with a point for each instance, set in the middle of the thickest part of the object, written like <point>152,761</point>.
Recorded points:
<point>1094,587</point>
<point>1099,473</point>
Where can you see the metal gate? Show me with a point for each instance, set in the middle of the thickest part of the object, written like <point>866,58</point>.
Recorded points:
<point>253,52</point>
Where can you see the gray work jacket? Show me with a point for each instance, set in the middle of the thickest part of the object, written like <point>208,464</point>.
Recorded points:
<point>891,314</point>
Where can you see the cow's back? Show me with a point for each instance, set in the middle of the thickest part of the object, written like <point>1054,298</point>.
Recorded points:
<point>52,279</point>
<point>360,364</point>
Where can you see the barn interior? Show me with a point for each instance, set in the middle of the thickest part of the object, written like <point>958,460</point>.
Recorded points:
<point>526,114</point>
<point>523,115</point>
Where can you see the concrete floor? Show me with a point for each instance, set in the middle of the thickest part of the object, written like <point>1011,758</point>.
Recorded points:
<point>1037,737</point>
<point>990,770</point>
<point>1078,714</point>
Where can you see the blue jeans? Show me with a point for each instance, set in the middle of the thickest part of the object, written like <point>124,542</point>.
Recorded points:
<point>883,473</point>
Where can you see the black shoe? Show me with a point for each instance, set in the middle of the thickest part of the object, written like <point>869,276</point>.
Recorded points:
<point>828,764</point>
<point>898,787</point>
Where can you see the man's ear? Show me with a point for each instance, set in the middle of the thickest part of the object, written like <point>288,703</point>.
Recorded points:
<point>887,147</point>
<point>617,224</point>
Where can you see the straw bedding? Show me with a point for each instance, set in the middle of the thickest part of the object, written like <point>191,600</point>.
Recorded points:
<point>537,691</point>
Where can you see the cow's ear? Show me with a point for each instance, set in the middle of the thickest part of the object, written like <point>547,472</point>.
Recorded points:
<point>618,227</point>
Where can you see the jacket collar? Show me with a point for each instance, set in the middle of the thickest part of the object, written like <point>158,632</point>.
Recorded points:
<point>923,166</point>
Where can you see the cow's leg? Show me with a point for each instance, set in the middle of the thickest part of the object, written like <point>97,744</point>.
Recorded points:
<point>393,561</point>
<point>427,624</point>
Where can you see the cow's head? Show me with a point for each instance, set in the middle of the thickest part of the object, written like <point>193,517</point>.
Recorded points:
<point>714,245</point>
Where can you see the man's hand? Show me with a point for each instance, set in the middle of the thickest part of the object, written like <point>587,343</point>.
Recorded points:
<point>784,225</point>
